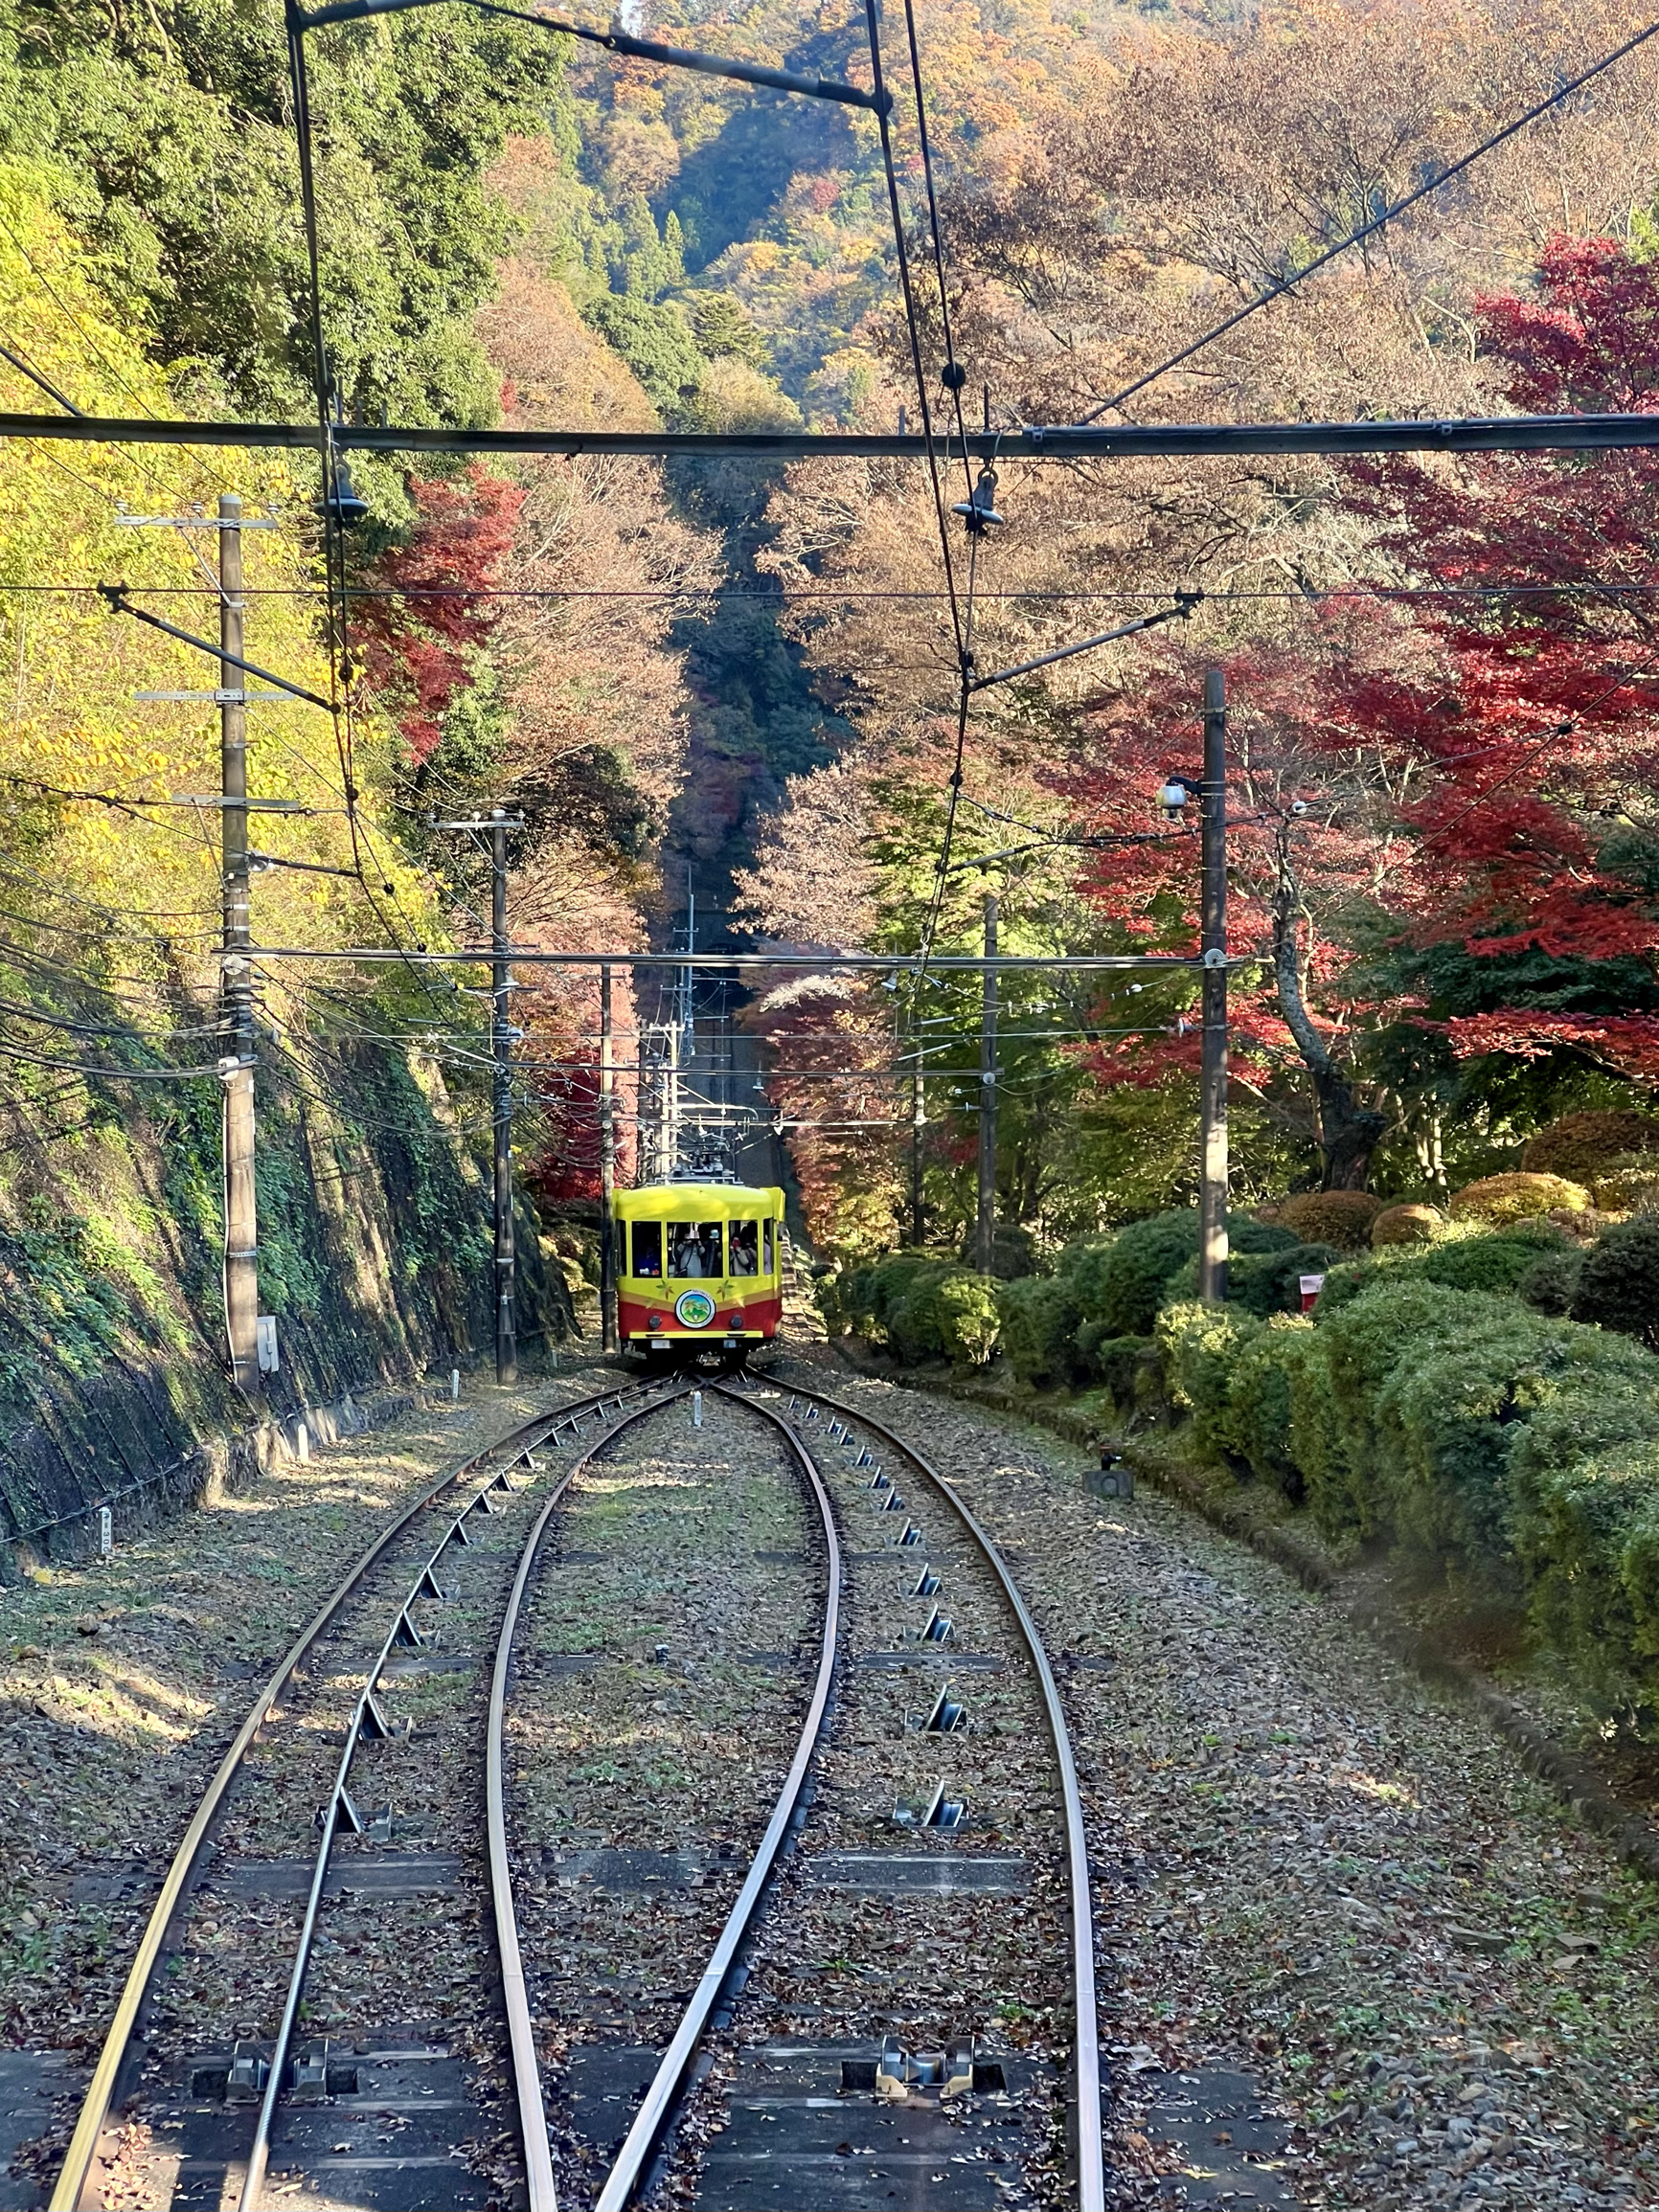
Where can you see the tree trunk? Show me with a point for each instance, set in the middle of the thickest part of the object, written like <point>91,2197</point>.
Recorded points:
<point>1349,1133</point>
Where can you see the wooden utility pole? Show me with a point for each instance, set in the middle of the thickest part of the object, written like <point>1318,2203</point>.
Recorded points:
<point>501,1052</point>
<point>1213,1080</point>
<point>606,1170</point>
<point>241,1261</point>
<point>987,1236</point>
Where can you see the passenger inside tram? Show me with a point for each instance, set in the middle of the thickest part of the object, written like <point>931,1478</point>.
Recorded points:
<point>696,1249</point>
<point>746,1247</point>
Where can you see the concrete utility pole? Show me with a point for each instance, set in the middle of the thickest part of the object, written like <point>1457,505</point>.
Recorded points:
<point>987,1237</point>
<point>670,1147</point>
<point>606,1170</point>
<point>504,1271</point>
<point>1213,1190</point>
<point>918,1123</point>
<point>501,1052</point>
<point>241,1260</point>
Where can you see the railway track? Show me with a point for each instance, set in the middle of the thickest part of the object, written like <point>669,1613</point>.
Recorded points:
<point>123,2141</point>
<point>872,2018</point>
<point>911,2060</point>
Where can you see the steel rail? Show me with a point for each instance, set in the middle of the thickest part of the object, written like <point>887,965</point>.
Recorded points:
<point>622,2181</point>
<point>84,2144</point>
<point>1091,2157</point>
<point>425,1583</point>
<point>521,2032</point>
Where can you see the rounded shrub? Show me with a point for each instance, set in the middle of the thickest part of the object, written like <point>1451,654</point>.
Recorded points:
<point>1446,1419</point>
<point>1580,1146</point>
<point>1083,1265</point>
<point>1339,1217</point>
<point>1119,1363</point>
<point>1257,1425</point>
<point>1469,1258</point>
<point>1618,1283</point>
<point>1627,1189</point>
<point>1608,1397</point>
<point>1039,1318</point>
<point>1335,1434</point>
<point>1201,1345</point>
<point>946,1313</point>
<point>968,1323</point>
<point>1497,1260</point>
<point>1124,1283</point>
<point>846,1302</point>
<point>1590,1548</point>
<point>1503,1198</point>
<point>1551,1281</point>
<point>1271,1282</point>
<point>1013,1251</point>
<point>1406,1224</point>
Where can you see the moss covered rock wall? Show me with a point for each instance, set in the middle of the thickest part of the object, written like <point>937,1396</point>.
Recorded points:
<point>374,1256</point>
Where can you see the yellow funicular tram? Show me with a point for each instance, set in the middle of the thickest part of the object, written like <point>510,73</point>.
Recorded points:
<point>699,1268</point>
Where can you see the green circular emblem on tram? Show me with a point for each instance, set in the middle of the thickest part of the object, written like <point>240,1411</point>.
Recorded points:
<point>694,1309</point>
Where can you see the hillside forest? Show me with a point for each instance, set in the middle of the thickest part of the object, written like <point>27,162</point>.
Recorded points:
<point>739,677</point>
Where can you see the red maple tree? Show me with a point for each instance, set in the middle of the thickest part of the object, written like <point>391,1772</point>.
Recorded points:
<point>423,615</point>
<point>1459,756</point>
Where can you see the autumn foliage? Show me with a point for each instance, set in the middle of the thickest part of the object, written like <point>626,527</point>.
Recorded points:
<point>422,613</point>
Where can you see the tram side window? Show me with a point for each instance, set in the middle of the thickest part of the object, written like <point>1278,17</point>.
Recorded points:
<point>648,1236</point>
<point>744,1244</point>
<point>693,1250</point>
<point>769,1264</point>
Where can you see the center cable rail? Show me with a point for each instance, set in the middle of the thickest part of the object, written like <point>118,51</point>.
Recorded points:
<point>1091,2153</point>
<point>622,2183</point>
<point>520,2028</point>
<point>509,1450</point>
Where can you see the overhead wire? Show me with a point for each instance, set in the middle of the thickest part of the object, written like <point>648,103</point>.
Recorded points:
<point>1311,595</point>
<point>84,1067</point>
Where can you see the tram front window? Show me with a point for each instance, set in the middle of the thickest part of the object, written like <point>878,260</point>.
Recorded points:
<point>771,1266</point>
<point>648,1241</point>
<point>746,1247</point>
<point>694,1250</point>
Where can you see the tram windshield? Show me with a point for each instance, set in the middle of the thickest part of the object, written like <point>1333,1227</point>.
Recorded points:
<point>770,1265</point>
<point>745,1247</point>
<point>694,1249</point>
<point>648,1236</point>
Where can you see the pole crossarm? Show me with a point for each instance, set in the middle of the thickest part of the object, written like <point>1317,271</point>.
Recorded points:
<point>616,42</point>
<point>1054,441</point>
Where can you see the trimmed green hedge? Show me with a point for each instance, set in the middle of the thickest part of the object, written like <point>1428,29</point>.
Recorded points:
<point>1618,1283</point>
<point>922,1307</point>
<point>1040,1317</point>
<point>1121,1282</point>
<point>1520,1450</point>
<point>1479,1260</point>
